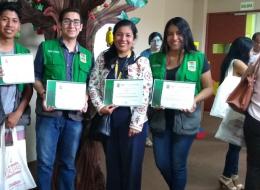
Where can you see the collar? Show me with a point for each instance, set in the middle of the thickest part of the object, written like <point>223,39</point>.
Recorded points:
<point>77,49</point>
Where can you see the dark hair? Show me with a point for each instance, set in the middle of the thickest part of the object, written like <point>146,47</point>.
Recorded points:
<point>67,10</point>
<point>239,49</point>
<point>110,55</point>
<point>184,28</point>
<point>11,6</point>
<point>153,35</point>
<point>255,35</point>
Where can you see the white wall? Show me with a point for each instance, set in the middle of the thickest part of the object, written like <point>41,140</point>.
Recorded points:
<point>31,40</point>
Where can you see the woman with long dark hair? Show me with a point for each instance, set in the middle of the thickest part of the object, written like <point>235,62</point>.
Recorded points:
<point>179,60</point>
<point>236,61</point>
<point>124,148</point>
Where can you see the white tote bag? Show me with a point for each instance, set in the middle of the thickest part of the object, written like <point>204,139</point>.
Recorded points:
<point>219,107</point>
<point>231,128</point>
<point>16,172</point>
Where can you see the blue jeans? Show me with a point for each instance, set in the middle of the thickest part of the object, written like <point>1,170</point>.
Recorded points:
<point>56,137</point>
<point>171,152</point>
<point>252,139</point>
<point>232,159</point>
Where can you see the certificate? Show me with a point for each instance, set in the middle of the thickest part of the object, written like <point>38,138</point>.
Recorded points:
<point>65,95</point>
<point>173,94</point>
<point>123,92</point>
<point>18,68</point>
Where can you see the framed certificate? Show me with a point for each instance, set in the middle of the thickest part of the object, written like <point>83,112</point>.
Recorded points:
<point>173,94</point>
<point>17,69</point>
<point>123,92</point>
<point>65,95</point>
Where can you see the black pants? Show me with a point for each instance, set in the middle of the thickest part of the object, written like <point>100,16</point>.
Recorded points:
<point>252,139</point>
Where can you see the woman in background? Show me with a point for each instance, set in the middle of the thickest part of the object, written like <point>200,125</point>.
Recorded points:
<point>236,62</point>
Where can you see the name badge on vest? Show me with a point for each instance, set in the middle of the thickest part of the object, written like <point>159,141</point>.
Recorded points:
<point>192,66</point>
<point>83,57</point>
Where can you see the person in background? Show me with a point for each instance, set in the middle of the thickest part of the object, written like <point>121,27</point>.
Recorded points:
<point>155,42</point>
<point>124,148</point>
<point>14,102</point>
<point>238,58</point>
<point>58,132</point>
<point>255,52</point>
<point>252,135</point>
<point>178,60</point>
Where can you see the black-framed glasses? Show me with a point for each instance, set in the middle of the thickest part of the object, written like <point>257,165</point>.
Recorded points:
<point>67,22</point>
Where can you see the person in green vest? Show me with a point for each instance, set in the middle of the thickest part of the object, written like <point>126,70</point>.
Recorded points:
<point>175,130</point>
<point>14,98</point>
<point>58,132</point>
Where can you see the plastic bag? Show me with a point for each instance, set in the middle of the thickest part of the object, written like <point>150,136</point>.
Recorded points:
<point>219,107</point>
<point>14,170</point>
<point>231,128</point>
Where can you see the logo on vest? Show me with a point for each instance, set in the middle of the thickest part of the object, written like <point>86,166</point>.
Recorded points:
<point>192,66</point>
<point>83,57</point>
<point>52,51</point>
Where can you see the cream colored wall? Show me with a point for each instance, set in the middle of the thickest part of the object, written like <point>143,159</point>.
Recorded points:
<point>181,8</point>
<point>152,20</point>
<point>155,15</point>
<point>199,22</point>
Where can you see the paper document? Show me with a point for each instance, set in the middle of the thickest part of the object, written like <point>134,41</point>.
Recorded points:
<point>18,68</point>
<point>66,95</point>
<point>173,94</point>
<point>124,92</point>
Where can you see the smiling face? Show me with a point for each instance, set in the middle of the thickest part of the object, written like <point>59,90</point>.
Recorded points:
<point>124,40</point>
<point>174,38</point>
<point>9,24</point>
<point>156,43</point>
<point>71,25</point>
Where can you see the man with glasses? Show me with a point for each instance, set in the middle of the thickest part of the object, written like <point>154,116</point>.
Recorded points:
<point>58,132</point>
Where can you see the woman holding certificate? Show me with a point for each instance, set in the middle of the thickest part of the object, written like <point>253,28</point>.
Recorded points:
<point>176,128</point>
<point>124,148</point>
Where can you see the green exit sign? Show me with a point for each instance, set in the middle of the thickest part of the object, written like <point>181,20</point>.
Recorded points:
<point>247,5</point>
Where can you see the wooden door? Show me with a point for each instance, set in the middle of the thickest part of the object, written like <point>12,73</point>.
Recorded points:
<point>222,28</point>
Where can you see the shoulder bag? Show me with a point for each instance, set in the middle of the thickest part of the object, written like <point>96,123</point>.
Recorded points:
<point>240,97</point>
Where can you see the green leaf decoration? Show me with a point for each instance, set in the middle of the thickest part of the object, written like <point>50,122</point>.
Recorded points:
<point>39,7</point>
<point>135,20</point>
<point>137,3</point>
<point>124,16</point>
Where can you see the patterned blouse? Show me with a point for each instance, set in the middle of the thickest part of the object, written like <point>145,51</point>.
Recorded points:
<point>138,70</point>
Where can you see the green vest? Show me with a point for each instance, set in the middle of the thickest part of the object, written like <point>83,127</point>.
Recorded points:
<point>189,71</point>
<point>55,65</point>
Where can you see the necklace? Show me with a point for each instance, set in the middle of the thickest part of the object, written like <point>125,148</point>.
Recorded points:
<point>118,71</point>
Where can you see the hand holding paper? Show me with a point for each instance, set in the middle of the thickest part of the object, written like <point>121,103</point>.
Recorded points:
<point>66,95</point>
<point>123,92</point>
<point>173,95</point>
